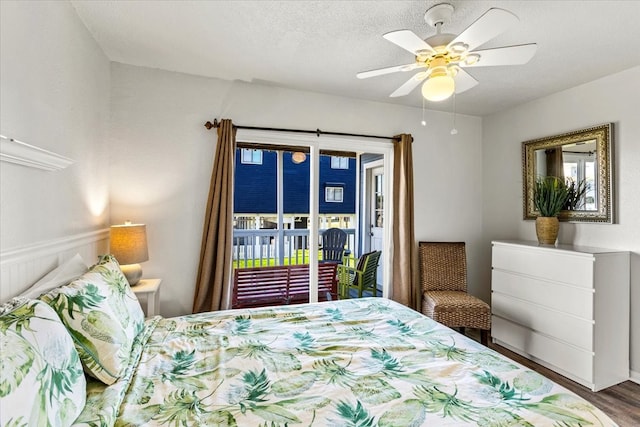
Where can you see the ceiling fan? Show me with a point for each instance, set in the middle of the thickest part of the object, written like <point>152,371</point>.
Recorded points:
<point>443,56</point>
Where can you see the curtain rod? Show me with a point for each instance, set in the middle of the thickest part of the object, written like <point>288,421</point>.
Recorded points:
<point>317,132</point>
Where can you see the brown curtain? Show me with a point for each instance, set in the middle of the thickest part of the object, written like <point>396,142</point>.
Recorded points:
<point>405,284</point>
<point>215,269</point>
<point>555,162</point>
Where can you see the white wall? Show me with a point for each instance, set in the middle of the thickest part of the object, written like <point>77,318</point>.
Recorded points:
<point>162,160</point>
<point>611,99</point>
<point>54,94</point>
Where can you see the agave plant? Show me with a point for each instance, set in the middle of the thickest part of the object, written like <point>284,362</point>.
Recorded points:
<point>550,195</point>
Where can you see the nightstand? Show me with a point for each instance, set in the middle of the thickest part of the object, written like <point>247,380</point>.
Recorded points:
<point>150,289</point>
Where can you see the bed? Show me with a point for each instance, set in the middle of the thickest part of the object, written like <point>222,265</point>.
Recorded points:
<point>360,362</point>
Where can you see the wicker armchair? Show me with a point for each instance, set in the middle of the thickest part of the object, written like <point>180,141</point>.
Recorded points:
<point>443,278</point>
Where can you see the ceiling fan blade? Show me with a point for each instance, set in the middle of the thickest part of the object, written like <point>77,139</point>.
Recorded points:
<point>408,40</point>
<point>508,55</point>
<point>494,22</point>
<point>410,84</point>
<point>388,70</point>
<point>464,81</point>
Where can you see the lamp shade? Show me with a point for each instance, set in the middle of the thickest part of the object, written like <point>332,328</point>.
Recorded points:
<point>129,243</point>
<point>439,86</point>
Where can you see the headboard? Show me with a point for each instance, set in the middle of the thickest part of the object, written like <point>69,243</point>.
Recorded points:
<point>21,267</point>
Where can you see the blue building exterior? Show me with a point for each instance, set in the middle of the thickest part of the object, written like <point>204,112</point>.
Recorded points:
<point>256,192</point>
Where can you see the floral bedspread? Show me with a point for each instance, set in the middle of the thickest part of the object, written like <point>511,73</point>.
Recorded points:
<point>364,362</point>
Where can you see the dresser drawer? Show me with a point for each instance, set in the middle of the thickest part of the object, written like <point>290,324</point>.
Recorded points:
<point>567,298</point>
<point>572,360</point>
<point>573,269</point>
<point>562,326</point>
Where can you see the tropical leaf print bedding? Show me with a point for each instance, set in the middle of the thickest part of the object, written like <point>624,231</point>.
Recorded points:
<point>102,401</point>
<point>366,362</point>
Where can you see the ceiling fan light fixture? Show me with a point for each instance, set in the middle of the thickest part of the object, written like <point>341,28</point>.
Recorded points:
<point>439,86</point>
<point>459,48</point>
<point>472,59</point>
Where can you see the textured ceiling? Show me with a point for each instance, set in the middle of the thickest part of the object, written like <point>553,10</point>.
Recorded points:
<point>321,45</point>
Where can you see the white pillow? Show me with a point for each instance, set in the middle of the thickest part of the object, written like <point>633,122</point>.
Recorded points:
<point>62,275</point>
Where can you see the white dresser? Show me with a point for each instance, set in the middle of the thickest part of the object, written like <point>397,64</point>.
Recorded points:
<point>564,307</point>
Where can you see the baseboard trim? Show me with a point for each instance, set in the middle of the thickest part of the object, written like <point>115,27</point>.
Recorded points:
<point>634,376</point>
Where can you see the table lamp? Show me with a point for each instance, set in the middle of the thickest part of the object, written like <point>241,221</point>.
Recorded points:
<point>128,244</point>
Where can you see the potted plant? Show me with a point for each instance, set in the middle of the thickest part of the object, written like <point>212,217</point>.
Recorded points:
<point>550,195</point>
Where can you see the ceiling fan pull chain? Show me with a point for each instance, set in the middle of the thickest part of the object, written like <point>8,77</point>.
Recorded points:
<point>454,131</point>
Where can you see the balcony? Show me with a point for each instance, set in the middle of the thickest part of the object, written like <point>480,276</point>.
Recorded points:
<point>261,248</point>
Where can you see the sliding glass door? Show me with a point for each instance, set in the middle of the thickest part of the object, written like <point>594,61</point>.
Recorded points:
<point>289,190</point>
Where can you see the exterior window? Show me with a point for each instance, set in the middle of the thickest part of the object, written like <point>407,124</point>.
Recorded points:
<point>333,194</point>
<point>250,156</point>
<point>339,162</point>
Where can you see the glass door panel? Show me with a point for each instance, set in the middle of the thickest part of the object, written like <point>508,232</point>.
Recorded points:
<point>337,198</point>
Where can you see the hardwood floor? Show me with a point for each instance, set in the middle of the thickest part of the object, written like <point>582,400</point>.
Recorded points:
<point>620,402</point>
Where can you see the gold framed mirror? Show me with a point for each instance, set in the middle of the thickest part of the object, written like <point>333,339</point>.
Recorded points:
<point>582,155</point>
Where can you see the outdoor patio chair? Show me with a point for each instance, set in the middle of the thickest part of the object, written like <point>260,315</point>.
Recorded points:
<point>363,277</point>
<point>443,278</point>
<point>333,241</point>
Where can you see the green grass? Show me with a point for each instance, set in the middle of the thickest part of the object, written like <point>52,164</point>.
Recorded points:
<point>299,257</point>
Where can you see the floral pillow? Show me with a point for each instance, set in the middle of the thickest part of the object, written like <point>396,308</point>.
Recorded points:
<point>102,315</point>
<point>41,378</point>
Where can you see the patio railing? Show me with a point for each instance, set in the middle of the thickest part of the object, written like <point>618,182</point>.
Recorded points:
<point>257,248</point>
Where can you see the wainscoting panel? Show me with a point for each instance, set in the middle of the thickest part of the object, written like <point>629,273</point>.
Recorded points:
<point>21,267</point>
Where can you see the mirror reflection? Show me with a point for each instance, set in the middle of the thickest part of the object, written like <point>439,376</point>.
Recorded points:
<point>573,162</point>
<point>581,158</point>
